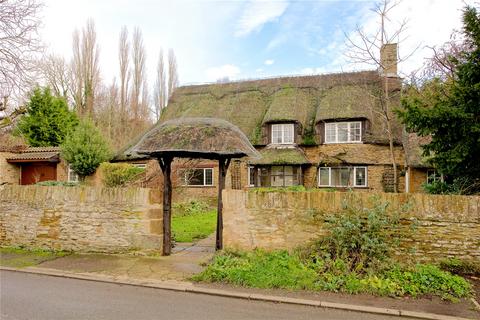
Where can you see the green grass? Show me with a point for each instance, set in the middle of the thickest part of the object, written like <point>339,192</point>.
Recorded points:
<point>20,258</point>
<point>193,221</point>
<point>280,269</point>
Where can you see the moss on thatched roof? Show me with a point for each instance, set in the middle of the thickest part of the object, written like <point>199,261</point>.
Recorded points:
<point>291,104</point>
<point>281,156</point>
<point>202,137</point>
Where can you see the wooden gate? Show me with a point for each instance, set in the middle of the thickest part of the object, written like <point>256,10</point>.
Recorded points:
<point>37,172</point>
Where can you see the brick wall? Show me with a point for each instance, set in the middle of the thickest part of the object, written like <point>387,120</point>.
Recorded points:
<point>9,173</point>
<point>81,219</point>
<point>446,226</point>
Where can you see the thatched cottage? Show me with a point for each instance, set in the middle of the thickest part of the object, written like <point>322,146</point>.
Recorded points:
<point>322,131</point>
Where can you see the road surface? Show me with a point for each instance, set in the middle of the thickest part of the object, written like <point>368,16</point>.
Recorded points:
<point>30,296</point>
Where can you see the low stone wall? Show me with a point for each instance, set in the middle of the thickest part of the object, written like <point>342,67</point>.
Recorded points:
<point>81,219</point>
<point>445,226</point>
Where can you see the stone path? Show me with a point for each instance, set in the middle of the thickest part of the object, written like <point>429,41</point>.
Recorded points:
<point>185,261</point>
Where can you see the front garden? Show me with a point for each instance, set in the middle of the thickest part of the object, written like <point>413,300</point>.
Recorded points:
<point>192,221</point>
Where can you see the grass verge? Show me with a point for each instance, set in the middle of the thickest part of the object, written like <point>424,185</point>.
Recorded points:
<point>15,257</point>
<point>280,269</point>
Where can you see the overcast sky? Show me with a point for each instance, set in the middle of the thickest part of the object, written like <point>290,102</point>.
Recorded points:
<point>245,39</point>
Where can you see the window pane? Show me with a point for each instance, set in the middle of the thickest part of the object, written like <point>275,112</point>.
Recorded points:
<point>194,177</point>
<point>288,133</point>
<point>341,177</point>
<point>324,177</point>
<point>342,129</point>
<point>209,177</point>
<point>276,133</point>
<point>360,177</point>
<point>251,176</point>
<point>330,132</point>
<point>355,131</point>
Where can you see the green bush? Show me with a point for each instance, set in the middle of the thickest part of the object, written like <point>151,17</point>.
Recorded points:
<point>57,183</point>
<point>190,207</point>
<point>362,237</point>
<point>85,148</point>
<point>119,174</point>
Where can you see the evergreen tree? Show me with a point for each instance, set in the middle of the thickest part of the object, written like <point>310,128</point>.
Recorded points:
<point>85,149</point>
<point>47,121</point>
<point>451,115</point>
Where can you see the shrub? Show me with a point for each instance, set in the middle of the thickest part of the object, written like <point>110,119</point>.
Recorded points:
<point>120,174</point>
<point>85,148</point>
<point>362,237</point>
<point>191,207</point>
<point>57,183</point>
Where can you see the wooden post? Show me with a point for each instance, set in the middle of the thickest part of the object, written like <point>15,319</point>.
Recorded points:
<point>166,165</point>
<point>222,172</point>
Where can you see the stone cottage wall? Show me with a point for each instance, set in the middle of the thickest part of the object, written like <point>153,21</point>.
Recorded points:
<point>81,219</point>
<point>9,173</point>
<point>445,226</point>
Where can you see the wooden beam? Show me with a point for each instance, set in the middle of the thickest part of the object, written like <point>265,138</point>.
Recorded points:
<point>166,165</point>
<point>222,172</point>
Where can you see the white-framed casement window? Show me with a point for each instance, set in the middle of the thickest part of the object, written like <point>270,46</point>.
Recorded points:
<point>282,133</point>
<point>433,176</point>
<point>343,132</point>
<point>198,177</point>
<point>72,175</point>
<point>342,177</point>
<point>251,176</point>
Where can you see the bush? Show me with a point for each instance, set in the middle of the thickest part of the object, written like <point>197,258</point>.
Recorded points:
<point>361,237</point>
<point>57,183</point>
<point>190,208</point>
<point>120,174</point>
<point>85,148</point>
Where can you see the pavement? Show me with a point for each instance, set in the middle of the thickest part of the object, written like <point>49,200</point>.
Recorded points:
<point>172,274</point>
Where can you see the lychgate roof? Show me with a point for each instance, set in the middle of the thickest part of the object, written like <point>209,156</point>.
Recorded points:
<point>208,138</point>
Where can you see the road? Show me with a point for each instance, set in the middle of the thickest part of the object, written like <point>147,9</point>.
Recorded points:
<point>30,296</point>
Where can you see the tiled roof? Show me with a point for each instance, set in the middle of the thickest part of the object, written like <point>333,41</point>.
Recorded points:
<point>37,154</point>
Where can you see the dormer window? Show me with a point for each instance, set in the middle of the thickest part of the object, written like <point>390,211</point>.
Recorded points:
<point>343,132</point>
<point>282,133</point>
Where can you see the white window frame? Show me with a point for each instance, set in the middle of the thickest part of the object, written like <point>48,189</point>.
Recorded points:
<point>349,124</point>
<point>282,127</point>
<point>185,180</point>
<point>354,182</point>
<point>70,172</point>
<point>250,183</point>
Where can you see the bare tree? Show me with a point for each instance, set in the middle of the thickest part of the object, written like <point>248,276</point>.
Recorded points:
<point>56,72</point>
<point>85,68</point>
<point>364,48</point>
<point>138,57</point>
<point>160,87</point>
<point>124,62</point>
<point>19,44</point>
<point>172,73</point>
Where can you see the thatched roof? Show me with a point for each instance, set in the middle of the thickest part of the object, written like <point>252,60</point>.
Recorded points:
<point>412,144</point>
<point>305,99</point>
<point>208,138</point>
<point>281,156</point>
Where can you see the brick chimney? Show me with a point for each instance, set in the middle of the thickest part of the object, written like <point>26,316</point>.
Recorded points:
<point>388,60</point>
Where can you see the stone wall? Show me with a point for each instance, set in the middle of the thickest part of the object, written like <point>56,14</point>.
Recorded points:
<point>81,219</point>
<point>445,226</point>
<point>9,173</point>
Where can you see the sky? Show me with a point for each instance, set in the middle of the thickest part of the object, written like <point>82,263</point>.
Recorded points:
<point>249,39</point>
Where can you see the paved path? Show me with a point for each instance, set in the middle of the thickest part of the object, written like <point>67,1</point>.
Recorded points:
<point>29,296</point>
<point>185,261</point>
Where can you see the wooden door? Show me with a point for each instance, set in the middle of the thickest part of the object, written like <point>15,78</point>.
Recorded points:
<point>38,172</point>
